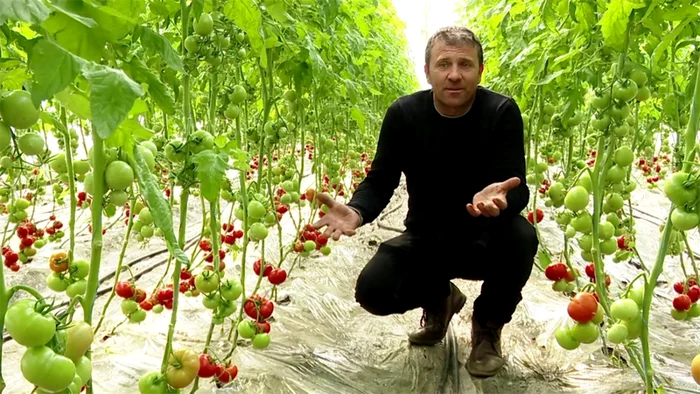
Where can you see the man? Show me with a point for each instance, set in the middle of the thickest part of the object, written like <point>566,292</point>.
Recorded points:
<point>461,149</point>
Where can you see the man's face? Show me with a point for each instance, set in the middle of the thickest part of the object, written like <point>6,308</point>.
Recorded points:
<point>454,73</point>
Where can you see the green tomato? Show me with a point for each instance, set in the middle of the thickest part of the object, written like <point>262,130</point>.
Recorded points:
<point>624,90</point>
<point>79,269</point>
<point>256,210</point>
<point>619,111</point>
<point>77,288</point>
<point>238,95</point>
<point>31,144</point>
<point>617,333</point>
<point>137,316</point>
<point>145,216</point>
<point>585,242</point>
<point>565,339</point>
<point>175,151</point>
<point>18,110</point>
<point>636,294</point>
<point>577,198</point>
<point>309,245</point>
<point>694,311</point>
<point>206,282</point>
<point>639,77</point>
<point>583,222</point>
<point>204,25</point>
<point>56,282</point>
<point>191,44</point>
<point>559,286</point>
<point>27,326</point>
<point>231,289</point>
<point>151,146</point>
<point>615,202</point>
<point>601,122</point>
<point>570,232</point>
<point>615,174</point>
<point>634,328</point>
<point>153,383</point>
<point>601,100</point>
<point>119,175</point>
<point>81,167</point>
<point>609,246</point>
<point>678,315</point>
<point>684,220</point>
<point>79,337</point>
<point>157,309</point>
<point>42,367</point>
<point>624,309</point>
<point>599,315</point>
<point>200,141</point>
<point>257,232</point>
<point>129,306</point>
<point>147,231</point>
<point>261,341</point>
<point>606,230</point>
<point>148,157</point>
<point>118,198</point>
<point>585,333</point>
<point>325,250</point>
<point>59,163</point>
<point>246,329</point>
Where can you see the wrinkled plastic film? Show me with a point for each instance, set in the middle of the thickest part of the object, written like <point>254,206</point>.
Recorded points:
<point>323,342</point>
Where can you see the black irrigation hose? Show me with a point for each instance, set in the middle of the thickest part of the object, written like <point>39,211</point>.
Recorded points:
<point>60,308</point>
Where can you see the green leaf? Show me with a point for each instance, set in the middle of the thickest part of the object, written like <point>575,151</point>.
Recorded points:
<point>211,169</point>
<point>118,17</point>
<point>678,14</point>
<point>246,14</point>
<point>75,37</point>
<point>112,94</point>
<point>668,39</point>
<point>129,131</point>
<point>139,107</point>
<point>54,69</point>
<point>545,260</point>
<point>47,118</point>
<point>278,11</point>
<point>136,129</point>
<point>162,216</point>
<point>615,20</point>
<point>156,43</point>
<point>14,78</point>
<point>71,9</point>
<point>31,11</point>
<point>75,102</point>
<point>158,91</point>
<point>551,77</point>
<point>359,117</point>
<point>221,141</point>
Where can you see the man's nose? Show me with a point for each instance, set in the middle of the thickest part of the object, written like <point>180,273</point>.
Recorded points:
<point>454,74</point>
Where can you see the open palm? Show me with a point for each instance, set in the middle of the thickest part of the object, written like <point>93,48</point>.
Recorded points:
<point>340,220</point>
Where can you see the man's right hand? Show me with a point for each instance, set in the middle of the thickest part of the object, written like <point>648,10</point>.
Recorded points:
<point>340,220</point>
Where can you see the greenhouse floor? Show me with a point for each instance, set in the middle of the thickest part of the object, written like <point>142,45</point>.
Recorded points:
<point>323,342</point>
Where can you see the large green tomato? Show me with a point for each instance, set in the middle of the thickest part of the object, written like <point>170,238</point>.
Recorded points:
<point>246,329</point>
<point>46,369</point>
<point>231,289</point>
<point>617,333</point>
<point>565,339</point>
<point>679,189</point>
<point>153,383</point>
<point>28,327</point>
<point>624,309</point>
<point>83,367</point>
<point>59,163</point>
<point>684,220</point>
<point>79,337</point>
<point>119,175</point>
<point>585,333</point>
<point>31,144</point>
<point>201,140</point>
<point>577,198</point>
<point>18,111</point>
<point>624,156</point>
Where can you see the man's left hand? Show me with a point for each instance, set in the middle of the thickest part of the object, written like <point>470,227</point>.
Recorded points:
<point>492,200</point>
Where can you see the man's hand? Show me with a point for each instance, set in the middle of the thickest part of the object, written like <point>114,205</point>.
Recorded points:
<point>492,200</point>
<point>340,220</point>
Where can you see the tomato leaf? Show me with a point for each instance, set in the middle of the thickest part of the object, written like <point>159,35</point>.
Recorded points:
<point>162,217</point>
<point>211,169</point>
<point>112,94</point>
<point>75,102</point>
<point>545,260</point>
<point>615,20</point>
<point>677,14</point>
<point>278,11</point>
<point>117,18</point>
<point>156,43</point>
<point>357,115</point>
<point>31,11</point>
<point>248,17</point>
<point>668,39</point>
<point>54,69</point>
<point>71,10</point>
<point>159,93</point>
<point>75,37</point>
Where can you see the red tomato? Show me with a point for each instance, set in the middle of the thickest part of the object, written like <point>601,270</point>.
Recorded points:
<point>264,326</point>
<point>140,295</point>
<point>256,268</point>
<point>694,293</point>
<point>583,307</point>
<point>278,276</point>
<point>146,305</point>
<point>590,271</point>
<point>185,274</point>
<point>207,367</point>
<point>165,295</point>
<point>679,287</point>
<point>556,271</point>
<point>682,303</point>
<point>227,373</point>
<point>124,289</point>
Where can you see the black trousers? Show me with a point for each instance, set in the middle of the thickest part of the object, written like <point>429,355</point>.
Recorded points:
<point>414,270</point>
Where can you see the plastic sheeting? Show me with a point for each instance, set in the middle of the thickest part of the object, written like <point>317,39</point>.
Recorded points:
<point>323,342</point>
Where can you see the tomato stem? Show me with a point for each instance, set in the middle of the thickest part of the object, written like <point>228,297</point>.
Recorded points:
<point>71,183</point>
<point>690,254</point>
<point>118,270</point>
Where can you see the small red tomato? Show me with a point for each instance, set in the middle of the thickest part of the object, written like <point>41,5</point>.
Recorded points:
<point>278,276</point>
<point>185,274</point>
<point>694,293</point>
<point>207,366</point>
<point>238,233</point>
<point>139,295</point>
<point>692,282</point>
<point>321,240</point>
<point>555,272</point>
<point>257,266</point>
<point>165,295</point>
<point>22,232</point>
<point>264,326</point>
<point>184,286</point>
<point>27,242</point>
<point>682,303</point>
<point>583,307</point>
<point>14,267</point>
<point>124,289</point>
<point>146,305</point>
<point>590,271</point>
<point>205,245</point>
<point>679,287</point>
<point>227,373</point>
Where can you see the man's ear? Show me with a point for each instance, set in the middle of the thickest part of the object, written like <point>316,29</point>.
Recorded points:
<point>481,71</point>
<point>427,72</point>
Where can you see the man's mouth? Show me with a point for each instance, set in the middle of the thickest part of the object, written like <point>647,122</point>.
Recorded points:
<point>454,89</point>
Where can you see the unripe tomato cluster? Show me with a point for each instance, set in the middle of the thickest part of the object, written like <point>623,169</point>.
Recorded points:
<point>311,239</point>
<point>133,297</point>
<point>259,309</point>
<point>68,276</point>
<point>562,277</point>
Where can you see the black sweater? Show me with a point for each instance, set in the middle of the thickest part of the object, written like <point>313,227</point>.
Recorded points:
<point>446,161</point>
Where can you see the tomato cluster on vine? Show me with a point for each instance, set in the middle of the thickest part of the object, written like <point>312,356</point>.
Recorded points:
<point>685,306</point>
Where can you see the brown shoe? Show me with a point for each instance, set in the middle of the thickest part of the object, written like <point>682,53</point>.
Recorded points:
<point>434,322</point>
<point>485,359</point>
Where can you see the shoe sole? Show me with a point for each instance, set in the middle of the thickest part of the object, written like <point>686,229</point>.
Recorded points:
<point>481,374</point>
<point>456,308</point>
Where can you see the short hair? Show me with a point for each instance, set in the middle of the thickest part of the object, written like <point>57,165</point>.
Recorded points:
<point>454,35</point>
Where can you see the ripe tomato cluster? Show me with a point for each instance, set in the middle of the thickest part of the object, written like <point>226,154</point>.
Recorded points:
<point>133,305</point>
<point>685,306</point>
<point>545,188</point>
<point>311,239</point>
<point>259,309</point>
<point>652,168</point>
<point>590,273</point>
<point>211,368</point>
<point>276,276</point>
<point>83,200</point>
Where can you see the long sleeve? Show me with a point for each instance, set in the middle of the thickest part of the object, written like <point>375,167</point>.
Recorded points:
<point>509,156</point>
<point>375,191</point>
